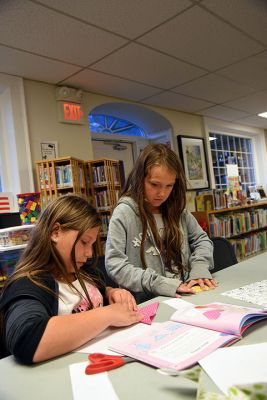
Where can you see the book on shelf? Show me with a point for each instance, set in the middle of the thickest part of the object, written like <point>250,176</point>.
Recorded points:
<point>204,202</point>
<point>208,200</point>
<point>192,333</point>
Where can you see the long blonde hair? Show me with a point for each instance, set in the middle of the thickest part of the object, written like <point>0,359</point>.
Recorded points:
<point>171,209</point>
<point>41,256</point>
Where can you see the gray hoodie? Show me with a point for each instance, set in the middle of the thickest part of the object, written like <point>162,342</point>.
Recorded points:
<point>122,255</point>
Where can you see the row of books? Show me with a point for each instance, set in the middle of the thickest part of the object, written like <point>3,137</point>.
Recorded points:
<point>214,199</point>
<point>232,224</point>
<point>105,223</point>
<point>100,175</point>
<point>63,174</point>
<point>250,244</point>
<point>102,200</point>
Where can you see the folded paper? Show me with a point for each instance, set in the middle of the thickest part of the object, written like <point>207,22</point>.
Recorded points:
<point>149,312</point>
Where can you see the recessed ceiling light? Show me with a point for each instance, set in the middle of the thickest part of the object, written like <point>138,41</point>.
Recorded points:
<point>264,115</point>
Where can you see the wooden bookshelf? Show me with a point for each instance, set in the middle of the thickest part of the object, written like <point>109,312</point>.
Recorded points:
<point>98,180</point>
<point>104,183</point>
<point>60,176</point>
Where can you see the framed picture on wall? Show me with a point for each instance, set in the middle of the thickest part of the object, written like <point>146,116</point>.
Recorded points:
<point>193,156</point>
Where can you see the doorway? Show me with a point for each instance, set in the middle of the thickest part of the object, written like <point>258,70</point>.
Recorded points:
<point>121,151</point>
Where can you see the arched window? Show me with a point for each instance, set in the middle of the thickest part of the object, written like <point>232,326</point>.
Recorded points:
<point>101,123</point>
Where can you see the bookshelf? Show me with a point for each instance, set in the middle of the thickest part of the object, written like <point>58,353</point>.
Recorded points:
<point>12,242</point>
<point>98,180</point>
<point>60,176</point>
<point>104,182</point>
<point>245,226</point>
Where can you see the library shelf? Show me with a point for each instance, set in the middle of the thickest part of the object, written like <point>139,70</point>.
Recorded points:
<point>245,226</point>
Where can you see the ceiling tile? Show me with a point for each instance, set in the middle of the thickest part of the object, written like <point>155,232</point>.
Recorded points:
<point>254,104</point>
<point>58,41</point>
<point>15,62</point>
<point>42,31</point>
<point>248,15</point>
<point>106,84</point>
<point>259,122</point>
<point>213,88</point>
<point>224,113</point>
<point>141,64</point>
<point>125,17</point>
<point>177,102</point>
<point>200,38</point>
<point>252,71</point>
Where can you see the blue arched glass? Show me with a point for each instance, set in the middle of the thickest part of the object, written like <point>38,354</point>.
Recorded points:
<point>100,123</point>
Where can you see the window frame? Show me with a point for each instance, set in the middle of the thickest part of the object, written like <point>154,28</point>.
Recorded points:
<point>257,135</point>
<point>16,164</point>
<point>244,158</point>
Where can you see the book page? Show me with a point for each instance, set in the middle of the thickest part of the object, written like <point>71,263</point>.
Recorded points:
<point>102,342</point>
<point>220,317</point>
<point>173,345</point>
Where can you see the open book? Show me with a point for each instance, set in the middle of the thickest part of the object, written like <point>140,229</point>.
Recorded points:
<point>226,318</point>
<point>199,331</point>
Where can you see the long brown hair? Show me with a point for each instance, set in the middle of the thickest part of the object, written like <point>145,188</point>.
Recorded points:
<point>171,209</point>
<point>41,257</point>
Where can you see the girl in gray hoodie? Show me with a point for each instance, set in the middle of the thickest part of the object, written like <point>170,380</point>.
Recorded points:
<point>154,245</point>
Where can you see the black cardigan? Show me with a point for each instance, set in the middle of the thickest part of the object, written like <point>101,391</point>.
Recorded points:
<point>25,289</point>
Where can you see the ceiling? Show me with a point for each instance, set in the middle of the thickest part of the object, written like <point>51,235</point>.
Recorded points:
<point>204,57</point>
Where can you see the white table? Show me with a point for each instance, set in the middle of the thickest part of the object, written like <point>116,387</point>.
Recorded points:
<point>51,379</point>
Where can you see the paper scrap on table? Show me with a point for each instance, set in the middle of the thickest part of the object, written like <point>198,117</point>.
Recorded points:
<point>149,312</point>
<point>110,336</point>
<point>97,386</point>
<point>177,303</point>
<point>237,365</point>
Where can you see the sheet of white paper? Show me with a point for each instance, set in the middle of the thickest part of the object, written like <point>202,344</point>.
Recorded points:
<point>178,304</point>
<point>255,293</point>
<point>86,387</point>
<point>110,336</point>
<point>231,366</point>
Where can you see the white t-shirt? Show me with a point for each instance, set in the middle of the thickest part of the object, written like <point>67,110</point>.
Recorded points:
<point>72,302</point>
<point>161,228</point>
<point>160,224</point>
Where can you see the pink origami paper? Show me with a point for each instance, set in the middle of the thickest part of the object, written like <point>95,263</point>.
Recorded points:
<point>148,312</point>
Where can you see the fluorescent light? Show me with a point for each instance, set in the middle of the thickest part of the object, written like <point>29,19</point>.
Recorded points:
<point>212,138</point>
<point>264,114</point>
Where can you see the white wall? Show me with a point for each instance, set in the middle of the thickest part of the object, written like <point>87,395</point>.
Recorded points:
<point>75,140</point>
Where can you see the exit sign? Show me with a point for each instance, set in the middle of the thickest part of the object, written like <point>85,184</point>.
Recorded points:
<point>70,113</point>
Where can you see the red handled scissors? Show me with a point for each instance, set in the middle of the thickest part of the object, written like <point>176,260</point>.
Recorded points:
<point>105,362</point>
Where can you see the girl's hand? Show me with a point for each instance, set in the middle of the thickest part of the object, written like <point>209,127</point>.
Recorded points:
<point>188,287</point>
<point>211,283</point>
<point>122,296</point>
<point>120,315</point>
<point>184,289</point>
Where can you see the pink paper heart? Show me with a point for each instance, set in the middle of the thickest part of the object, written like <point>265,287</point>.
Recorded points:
<point>212,314</point>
